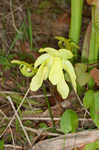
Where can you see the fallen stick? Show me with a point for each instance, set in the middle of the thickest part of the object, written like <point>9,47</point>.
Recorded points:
<point>69,141</point>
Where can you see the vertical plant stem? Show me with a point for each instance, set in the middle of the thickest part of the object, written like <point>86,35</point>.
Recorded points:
<point>30,28</point>
<point>94,41</point>
<point>49,107</point>
<point>86,44</point>
<point>96,48</point>
<point>76,21</point>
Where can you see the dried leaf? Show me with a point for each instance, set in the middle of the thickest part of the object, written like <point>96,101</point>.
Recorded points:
<point>95,74</point>
<point>91,2</point>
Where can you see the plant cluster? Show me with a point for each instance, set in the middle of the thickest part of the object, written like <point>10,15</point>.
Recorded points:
<point>54,64</point>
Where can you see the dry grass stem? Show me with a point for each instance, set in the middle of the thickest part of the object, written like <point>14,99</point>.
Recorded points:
<point>15,113</point>
<point>9,98</point>
<point>41,131</point>
<point>12,139</point>
<point>13,20</point>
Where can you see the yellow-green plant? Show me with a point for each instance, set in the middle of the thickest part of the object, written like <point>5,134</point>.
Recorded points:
<point>66,43</point>
<point>26,69</point>
<point>52,65</point>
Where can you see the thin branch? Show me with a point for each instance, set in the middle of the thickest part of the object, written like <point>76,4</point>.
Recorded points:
<point>84,118</point>
<point>13,20</point>
<point>12,139</point>
<point>9,98</point>
<point>41,131</point>
<point>81,103</point>
<point>15,113</point>
<point>49,119</point>
<point>12,146</point>
<point>33,96</point>
<point>39,118</point>
<point>9,127</point>
<point>40,96</point>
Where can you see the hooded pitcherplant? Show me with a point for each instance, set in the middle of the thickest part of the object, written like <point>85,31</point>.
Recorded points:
<point>51,65</point>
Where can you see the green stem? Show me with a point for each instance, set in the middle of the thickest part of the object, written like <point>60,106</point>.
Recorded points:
<point>86,44</point>
<point>49,107</point>
<point>30,28</point>
<point>76,21</point>
<point>94,41</point>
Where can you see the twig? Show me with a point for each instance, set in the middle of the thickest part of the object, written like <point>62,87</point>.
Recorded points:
<point>15,113</point>
<point>14,25</point>
<point>81,103</point>
<point>47,118</point>
<point>41,118</point>
<point>41,131</point>
<point>9,98</point>
<point>34,96</point>
<point>84,118</point>
<point>16,9</point>
<point>9,127</point>
<point>12,139</point>
<point>12,146</point>
<point>39,96</point>
<point>3,113</point>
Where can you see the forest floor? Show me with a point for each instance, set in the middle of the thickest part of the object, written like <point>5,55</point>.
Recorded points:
<point>44,20</point>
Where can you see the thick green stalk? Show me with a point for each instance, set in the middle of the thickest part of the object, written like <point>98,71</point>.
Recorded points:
<point>86,44</point>
<point>94,41</point>
<point>76,21</point>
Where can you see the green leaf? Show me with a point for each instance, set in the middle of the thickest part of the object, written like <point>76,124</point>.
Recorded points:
<point>80,67</point>
<point>96,95</point>
<point>91,101</point>
<point>41,59</point>
<point>63,88</point>
<point>69,121</point>
<point>43,125</point>
<point>56,73</point>
<point>83,77</point>
<point>70,70</point>
<point>94,110</point>
<point>91,83</point>
<point>91,146</point>
<point>97,144</point>
<point>37,80</point>
<point>88,99</point>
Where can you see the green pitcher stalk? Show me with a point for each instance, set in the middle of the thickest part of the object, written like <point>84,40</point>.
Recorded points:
<point>76,21</point>
<point>94,41</point>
